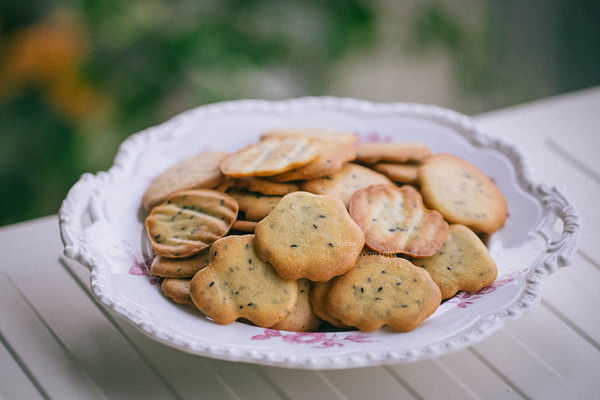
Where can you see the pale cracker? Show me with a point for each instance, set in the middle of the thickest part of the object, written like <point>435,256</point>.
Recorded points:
<point>462,193</point>
<point>332,136</point>
<point>237,284</point>
<point>382,291</point>
<point>463,263</point>
<point>332,157</point>
<point>345,182</point>
<point>270,157</point>
<point>394,220</point>
<point>309,236</point>
<point>190,221</point>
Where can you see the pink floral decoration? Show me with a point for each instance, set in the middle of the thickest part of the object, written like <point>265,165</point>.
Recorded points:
<point>321,340</point>
<point>140,265</point>
<point>465,299</point>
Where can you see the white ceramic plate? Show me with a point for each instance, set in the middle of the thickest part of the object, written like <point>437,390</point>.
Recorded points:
<point>102,227</point>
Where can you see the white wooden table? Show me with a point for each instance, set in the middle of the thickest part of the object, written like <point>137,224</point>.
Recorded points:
<point>58,343</point>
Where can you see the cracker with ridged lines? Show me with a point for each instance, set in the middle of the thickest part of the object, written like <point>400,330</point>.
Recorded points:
<point>190,221</point>
<point>394,220</point>
<point>179,267</point>
<point>371,153</point>
<point>332,157</point>
<point>462,193</point>
<point>238,284</point>
<point>177,289</point>
<point>309,236</point>
<point>463,263</point>
<point>318,297</point>
<point>199,172</point>
<point>401,173</point>
<point>270,157</point>
<point>345,182</point>
<point>382,291</point>
<point>255,206</point>
<point>302,319</point>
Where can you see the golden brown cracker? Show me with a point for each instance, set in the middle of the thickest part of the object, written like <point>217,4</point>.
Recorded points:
<point>309,236</point>
<point>179,267</point>
<point>244,226</point>
<point>318,297</point>
<point>382,291</point>
<point>463,263</point>
<point>322,134</point>
<point>255,206</point>
<point>302,319</point>
<point>265,186</point>
<point>371,153</point>
<point>177,289</point>
<point>394,220</point>
<point>401,173</point>
<point>238,284</point>
<point>190,221</point>
<point>462,193</point>
<point>199,172</point>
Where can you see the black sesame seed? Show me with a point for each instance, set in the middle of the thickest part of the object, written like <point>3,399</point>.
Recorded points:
<point>321,216</point>
<point>315,226</point>
<point>222,202</point>
<point>211,284</point>
<point>247,246</point>
<point>415,280</point>
<point>251,305</point>
<point>377,298</point>
<point>383,272</point>
<point>449,268</point>
<point>330,244</point>
<point>294,245</point>
<point>241,307</point>
<point>392,230</point>
<point>369,280</point>
<point>380,288</point>
<point>249,261</point>
<point>403,305</point>
<point>157,237</point>
<point>215,253</point>
<point>362,290</point>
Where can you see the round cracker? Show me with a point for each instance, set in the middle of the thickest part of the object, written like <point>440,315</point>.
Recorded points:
<point>318,296</point>
<point>462,193</point>
<point>177,289</point>
<point>255,206</point>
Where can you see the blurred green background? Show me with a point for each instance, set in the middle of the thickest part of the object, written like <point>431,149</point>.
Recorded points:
<point>77,77</point>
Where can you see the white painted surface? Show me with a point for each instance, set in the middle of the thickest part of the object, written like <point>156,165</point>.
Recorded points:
<point>58,343</point>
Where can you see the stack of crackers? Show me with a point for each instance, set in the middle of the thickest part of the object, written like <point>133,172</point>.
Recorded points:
<point>309,229</point>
